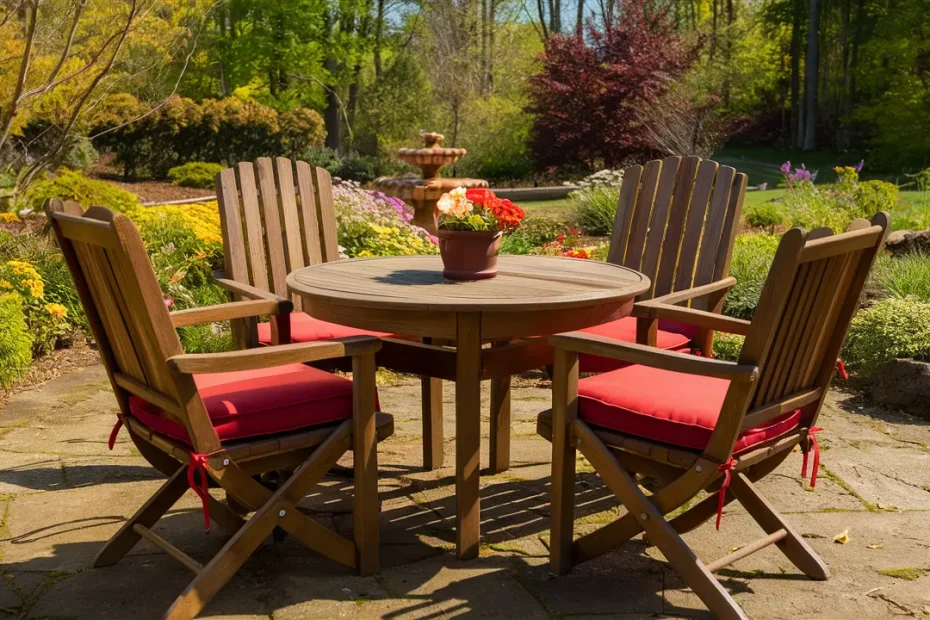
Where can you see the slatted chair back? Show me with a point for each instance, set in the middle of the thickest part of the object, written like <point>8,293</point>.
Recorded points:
<point>810,296</point>
<point>122,301</point>
<point>277,216</point>
<point>676,222</point>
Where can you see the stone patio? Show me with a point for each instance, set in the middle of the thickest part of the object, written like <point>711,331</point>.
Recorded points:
<point>62,493</point>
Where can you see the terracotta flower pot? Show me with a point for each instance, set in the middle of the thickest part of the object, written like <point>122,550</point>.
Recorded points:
<point>469,255</point>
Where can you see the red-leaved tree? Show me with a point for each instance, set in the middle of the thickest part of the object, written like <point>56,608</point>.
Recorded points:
<point>586,98</point>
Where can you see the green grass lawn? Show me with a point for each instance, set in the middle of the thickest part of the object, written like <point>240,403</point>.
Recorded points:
<point>557,208</point>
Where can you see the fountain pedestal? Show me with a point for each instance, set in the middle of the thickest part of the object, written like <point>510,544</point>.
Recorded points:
<point>423,193</point>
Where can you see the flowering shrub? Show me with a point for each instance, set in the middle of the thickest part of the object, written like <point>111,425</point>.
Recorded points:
<point>601,178</point>
<point>373,224</point>
<point>567,245</point>
<point>477,209</point>
<point>45,320</point>
<point>835,205</point>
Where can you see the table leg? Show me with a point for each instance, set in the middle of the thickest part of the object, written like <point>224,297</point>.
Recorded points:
<point>431,403</point>
<point>500,425</point>
<point>467,434</point>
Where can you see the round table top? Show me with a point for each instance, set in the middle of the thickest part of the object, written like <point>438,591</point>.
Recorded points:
<point>416,283</point>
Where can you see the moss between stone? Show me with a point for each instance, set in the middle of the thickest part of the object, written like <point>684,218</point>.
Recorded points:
<point>845,486</point>
<point>908,574</point>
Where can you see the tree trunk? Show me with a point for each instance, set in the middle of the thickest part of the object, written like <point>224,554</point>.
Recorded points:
<point>492,26</point>
<point>541,9</point>
<point>843,108</point>
<point>485,15</point>
<point>811,82</point>
<point>796,74</point>
<point>379,33</point>
<point>713,33</point>
<point>579,25</point>
<point>331,115</point>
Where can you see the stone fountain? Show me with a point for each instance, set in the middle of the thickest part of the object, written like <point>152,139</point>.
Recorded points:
<point>422,193</point>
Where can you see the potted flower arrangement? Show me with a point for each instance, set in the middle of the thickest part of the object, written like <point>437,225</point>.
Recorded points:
<point>471,225</point>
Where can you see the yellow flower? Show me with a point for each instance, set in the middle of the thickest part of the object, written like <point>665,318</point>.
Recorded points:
<point>36,287</point>
<point>56,310</point>
<point>4,284</point>
<point>8,218</point>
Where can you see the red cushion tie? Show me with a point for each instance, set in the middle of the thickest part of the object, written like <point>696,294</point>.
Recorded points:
<point>197,463</point>
<point>722,494</point>
<point>841,369</point>
<point>119,424</point>
<point>812,433</point>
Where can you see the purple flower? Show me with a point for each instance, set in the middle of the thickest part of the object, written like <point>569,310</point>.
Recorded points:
<point>786,168</point>
<point>812,177</point>
<point>763,186</point>
<point>859,166</point>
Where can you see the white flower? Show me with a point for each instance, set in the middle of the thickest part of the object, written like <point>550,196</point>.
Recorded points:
<point>455,204</point>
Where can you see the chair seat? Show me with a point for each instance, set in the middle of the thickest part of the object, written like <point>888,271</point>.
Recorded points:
<point>253,403</point>
<point>669,407</point>
<point>670,336</point>
<point>305,328</point>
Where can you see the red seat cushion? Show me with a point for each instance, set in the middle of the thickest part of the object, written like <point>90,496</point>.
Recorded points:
<point>625,330</point>
<point>305,328</point>
<point>252,403</point>
<point>671,407</point>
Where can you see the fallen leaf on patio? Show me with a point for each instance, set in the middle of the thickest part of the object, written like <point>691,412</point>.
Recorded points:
<point>842,538</point>
<point>736,548</point>
<point>874,546</point>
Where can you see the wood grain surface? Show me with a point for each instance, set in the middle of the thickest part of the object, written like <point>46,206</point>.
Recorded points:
<point>416,283</point>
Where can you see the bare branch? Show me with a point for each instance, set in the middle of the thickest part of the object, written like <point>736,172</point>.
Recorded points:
<point>65,52</point>
<point>187,60</point>
<point>23,72</point>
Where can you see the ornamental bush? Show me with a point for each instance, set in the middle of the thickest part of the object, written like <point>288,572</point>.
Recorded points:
<point>15,340</point>
<point>888,329</point>
<point>752,256</point>
<point>196,174</point>
<point>218,130</point>
<point>73,185</point>
<point>765,215</point>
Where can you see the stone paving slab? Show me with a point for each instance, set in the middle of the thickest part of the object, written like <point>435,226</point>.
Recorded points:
<point>62,494</point>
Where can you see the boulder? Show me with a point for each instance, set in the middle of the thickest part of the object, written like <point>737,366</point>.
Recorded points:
<point>902,242</point>
<point>903,383</point>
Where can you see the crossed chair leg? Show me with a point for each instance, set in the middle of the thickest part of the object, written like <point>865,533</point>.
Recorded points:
<point>272,509</point>
<point>647,514</point>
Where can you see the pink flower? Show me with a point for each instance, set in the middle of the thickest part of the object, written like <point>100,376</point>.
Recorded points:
<point>169,303</point>
<point>763,186</point>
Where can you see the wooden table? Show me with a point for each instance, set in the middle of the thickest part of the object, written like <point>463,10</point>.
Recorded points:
<point>531,297</point>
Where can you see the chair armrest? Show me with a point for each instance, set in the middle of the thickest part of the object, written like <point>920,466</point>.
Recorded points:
<point>693,293</point>
<point>691,316</point>
<point>250,292</point>
<point>269,357</point>
<point>581,342</point>
<point>224,312</point>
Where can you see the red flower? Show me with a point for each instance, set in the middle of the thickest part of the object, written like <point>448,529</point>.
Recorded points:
<point>480,196</point>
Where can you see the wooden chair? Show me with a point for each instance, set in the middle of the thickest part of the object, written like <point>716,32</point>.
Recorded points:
<point>277,216</point>
<point>676,222</point>
<point>697,424</point>
<point>229,416</point>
